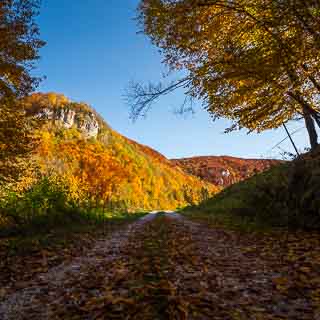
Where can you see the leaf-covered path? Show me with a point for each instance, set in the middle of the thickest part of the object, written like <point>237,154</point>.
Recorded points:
<point>172,268</point>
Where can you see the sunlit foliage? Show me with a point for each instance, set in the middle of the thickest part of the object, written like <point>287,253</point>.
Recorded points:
<point>19,46</point>
<point>255,62</point>
<point>109,172</point>
<point>17,141</point>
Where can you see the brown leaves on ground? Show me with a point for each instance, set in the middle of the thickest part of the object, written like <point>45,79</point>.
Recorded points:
<point>172,268</point>
<point>22,259</point>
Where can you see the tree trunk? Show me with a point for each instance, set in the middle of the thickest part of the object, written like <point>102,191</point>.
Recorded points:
<point>316,117</point>
<point>313,136</point>
<point>309,115</point>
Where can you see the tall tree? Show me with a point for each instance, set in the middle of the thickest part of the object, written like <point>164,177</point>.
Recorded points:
<point>19,46</point>
<point>16,141</point>
<point>255,62</point>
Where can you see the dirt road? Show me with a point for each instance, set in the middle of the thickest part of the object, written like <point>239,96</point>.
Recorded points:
<point>167,267</point>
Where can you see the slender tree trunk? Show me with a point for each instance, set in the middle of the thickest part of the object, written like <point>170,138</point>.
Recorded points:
<point>313,136</point>
<point>316,117</point>
<point>309,114</point>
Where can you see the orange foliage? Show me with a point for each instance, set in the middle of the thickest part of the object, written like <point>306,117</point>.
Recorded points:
<point>223,170</point>
<point>88,168</point>
<point>110,170</point>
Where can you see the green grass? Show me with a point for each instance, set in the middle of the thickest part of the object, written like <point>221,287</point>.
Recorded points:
<point>286,196</point>
<point>41,234</point>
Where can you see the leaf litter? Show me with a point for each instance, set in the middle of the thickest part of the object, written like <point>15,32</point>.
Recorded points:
<point>168,267</point>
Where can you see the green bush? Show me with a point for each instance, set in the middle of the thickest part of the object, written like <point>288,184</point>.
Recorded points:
<point>304,191</point>
<point>292,196</point>
<point>269,197</point>
<point>46,202</point>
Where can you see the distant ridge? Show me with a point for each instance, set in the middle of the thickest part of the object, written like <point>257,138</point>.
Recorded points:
<point>223,171</point>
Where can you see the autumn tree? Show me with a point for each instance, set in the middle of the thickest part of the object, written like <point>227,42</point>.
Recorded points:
<point>19,46</point>
<point>86,166</point>
<point>38,101</point>
<point>255,62</point>
<point>16,141</point>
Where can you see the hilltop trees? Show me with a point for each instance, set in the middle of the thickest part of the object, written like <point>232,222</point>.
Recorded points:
<point>116,175</point>
<point>255,62</point>
<point>92,168</point>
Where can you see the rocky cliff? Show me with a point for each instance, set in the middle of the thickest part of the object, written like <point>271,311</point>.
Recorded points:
<point>62,111</point>
<point>85,122</point>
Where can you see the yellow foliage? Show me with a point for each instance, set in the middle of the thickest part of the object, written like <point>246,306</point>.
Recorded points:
<point>254,62</point>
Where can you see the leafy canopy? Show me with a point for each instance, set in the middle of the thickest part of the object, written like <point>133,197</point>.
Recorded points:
<point>255,62</point>
<point>19,46</point>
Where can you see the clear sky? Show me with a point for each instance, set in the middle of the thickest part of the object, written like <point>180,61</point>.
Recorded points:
<point>93,51</point>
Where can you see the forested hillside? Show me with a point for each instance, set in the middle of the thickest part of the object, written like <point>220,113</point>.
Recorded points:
<point>223,170</point>
<point>99,167</point>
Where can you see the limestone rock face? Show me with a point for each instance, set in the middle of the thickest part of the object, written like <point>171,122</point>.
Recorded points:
<point>89,125</point>
<point>85,122</point>
<point>67,117</point>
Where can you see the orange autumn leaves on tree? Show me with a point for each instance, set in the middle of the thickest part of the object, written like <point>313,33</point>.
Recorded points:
<point>19,48</point>
<point>37,101</point>
<point>88,168</point>
<point>16,141</point>
<point>98,171</point>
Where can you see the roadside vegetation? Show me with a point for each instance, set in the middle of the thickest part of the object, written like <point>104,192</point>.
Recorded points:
<point>286,196</point>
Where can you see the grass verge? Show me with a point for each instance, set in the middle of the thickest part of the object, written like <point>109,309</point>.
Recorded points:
<point>286,196</point>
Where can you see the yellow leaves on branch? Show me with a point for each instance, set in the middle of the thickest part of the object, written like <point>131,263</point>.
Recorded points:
<point>19,47</point>
<point>16,140</point>
<point>254,62</point>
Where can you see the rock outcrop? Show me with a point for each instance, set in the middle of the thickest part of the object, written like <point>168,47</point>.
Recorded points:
<point>86,122</point>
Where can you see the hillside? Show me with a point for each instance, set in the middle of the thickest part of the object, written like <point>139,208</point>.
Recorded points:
<point>286,195</point>
<point>223,171</point>
<point>101,166</point>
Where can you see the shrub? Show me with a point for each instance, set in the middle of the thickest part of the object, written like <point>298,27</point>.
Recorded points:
<point>289,195</point>
<point>45,201</point>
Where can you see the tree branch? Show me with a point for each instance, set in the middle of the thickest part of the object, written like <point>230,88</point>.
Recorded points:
<point>140,98</point>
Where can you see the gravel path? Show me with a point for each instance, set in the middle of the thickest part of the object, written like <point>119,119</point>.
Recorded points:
<point>46,288</point>
<point>165,266</point>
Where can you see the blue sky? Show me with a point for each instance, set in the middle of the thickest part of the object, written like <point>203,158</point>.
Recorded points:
<point>93,51</point>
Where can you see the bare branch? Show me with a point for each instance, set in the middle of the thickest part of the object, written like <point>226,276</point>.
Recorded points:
<point>141,98</point>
